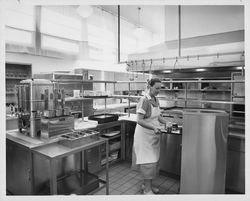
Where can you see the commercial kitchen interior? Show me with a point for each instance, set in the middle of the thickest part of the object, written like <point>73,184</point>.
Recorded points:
<point>74,75</point>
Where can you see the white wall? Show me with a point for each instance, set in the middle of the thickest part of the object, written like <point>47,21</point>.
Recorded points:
<point>203,20</point>
<point>48,64</point>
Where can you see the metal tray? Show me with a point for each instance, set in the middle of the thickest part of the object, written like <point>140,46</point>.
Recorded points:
<point>104,118</point>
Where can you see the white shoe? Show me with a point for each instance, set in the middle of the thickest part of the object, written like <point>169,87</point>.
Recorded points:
<point>148,193</point>
<point>154,189</point>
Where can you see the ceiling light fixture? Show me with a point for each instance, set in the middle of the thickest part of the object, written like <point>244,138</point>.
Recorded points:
<point>200,69</point>
<point>139,31</point>
<point>239,67</point>
<point>167,71</point>
<point>84,11</point>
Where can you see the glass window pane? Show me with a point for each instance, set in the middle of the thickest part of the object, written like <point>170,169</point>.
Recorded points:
<point>58,44</point>
<point>20,16</point>
<point>58,24</point>
<point>18,37</point>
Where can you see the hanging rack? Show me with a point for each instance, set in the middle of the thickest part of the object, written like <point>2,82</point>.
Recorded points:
<point>164,59</point>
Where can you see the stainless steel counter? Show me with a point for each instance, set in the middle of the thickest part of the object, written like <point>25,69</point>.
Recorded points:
<point>31,143</point>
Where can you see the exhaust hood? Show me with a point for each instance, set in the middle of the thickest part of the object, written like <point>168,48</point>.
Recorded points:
<point>217,50</point>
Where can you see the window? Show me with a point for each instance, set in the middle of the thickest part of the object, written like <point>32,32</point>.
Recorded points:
<point>20,24</point>
<point>21,17</point>
<point>58,44</point>
<point>18,37</point>
<point>55,22</point>
<point>61,31</point>
<point>102,38</point>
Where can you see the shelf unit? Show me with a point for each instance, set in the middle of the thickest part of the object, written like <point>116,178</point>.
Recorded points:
<point>14,73</point>
<point>226,90</point>
<point>186,92</point>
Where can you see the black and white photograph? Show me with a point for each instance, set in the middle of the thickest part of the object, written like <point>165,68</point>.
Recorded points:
<point>124,100</point>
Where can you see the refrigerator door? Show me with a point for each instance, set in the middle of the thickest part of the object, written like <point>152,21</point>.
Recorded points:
<point>204,151</point>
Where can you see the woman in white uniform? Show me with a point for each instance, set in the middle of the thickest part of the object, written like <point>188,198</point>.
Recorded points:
<point>147,135</point>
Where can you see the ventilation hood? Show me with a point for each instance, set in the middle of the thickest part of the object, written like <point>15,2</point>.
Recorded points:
<point>217,50</point>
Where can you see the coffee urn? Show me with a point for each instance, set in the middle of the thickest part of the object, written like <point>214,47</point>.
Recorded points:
<point>34,96</point>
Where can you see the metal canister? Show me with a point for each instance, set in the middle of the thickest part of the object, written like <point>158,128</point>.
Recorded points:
<point>66,111</point>
<point>58,112</point>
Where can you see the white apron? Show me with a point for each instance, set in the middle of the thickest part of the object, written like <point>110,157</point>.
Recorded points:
<point>146,142</point>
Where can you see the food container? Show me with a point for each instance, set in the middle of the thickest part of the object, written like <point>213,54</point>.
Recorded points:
<point>49,113</point>
<point>78,138</point>
<point>89,93</point>
<point>76,93</point>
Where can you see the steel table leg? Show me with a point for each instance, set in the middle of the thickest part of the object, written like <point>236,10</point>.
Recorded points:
<point>85,168</point>
<point>53,177</point>
<point>107,168</point>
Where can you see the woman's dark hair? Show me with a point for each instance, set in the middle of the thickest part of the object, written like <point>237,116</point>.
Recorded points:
<point>152,81</point>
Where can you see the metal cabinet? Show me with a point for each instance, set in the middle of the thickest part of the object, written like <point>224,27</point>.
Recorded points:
<point>235,175</point>
<point>18,164</point>
<point>170,155</point>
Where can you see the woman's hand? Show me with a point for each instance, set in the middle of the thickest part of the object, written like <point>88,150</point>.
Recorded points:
<point>157,130</point>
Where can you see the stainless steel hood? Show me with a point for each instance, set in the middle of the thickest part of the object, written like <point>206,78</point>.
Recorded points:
<point>216,50</point>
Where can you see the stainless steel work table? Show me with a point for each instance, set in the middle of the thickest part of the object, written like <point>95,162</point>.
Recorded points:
<point>55,151</point>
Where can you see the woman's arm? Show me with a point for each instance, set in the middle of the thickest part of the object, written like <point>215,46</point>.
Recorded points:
<point>145,124</point>
<point>162,120</point>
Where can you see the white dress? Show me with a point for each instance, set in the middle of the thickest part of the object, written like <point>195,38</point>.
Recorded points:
<point>146,142</point>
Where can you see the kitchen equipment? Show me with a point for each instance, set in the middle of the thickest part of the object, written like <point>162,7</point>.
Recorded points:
<point>49,113</point>
<point>38,98</point>
<point>170,159</point>
<point>104,118</point>
<point>78,138</point>
<point>34,96</point>
<point>51,127</point>
<point>76,93</point>
<point>204,151</point>
<point>174,126</point>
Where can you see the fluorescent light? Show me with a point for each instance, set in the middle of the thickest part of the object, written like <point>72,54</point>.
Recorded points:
<point>84,11</point>
<point>239,68</point>
<point>167,71</point>
<point>200,69</point>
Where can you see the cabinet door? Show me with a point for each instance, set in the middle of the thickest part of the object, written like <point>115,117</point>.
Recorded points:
<point>18,169</point>
<point>235,173</point>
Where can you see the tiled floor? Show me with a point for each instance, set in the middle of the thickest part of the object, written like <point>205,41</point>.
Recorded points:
<point>125,181</point>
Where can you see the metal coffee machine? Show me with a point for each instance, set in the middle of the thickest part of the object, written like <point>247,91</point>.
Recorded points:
<point>41,109</point>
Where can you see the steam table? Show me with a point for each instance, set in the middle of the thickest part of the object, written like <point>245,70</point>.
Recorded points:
<point>55,151</point>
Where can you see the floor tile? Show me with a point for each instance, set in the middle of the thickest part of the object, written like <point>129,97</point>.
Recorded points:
<point>115,192</point>
<point>125,181</point>
<point>175,187</point>
<point>167,184</point>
